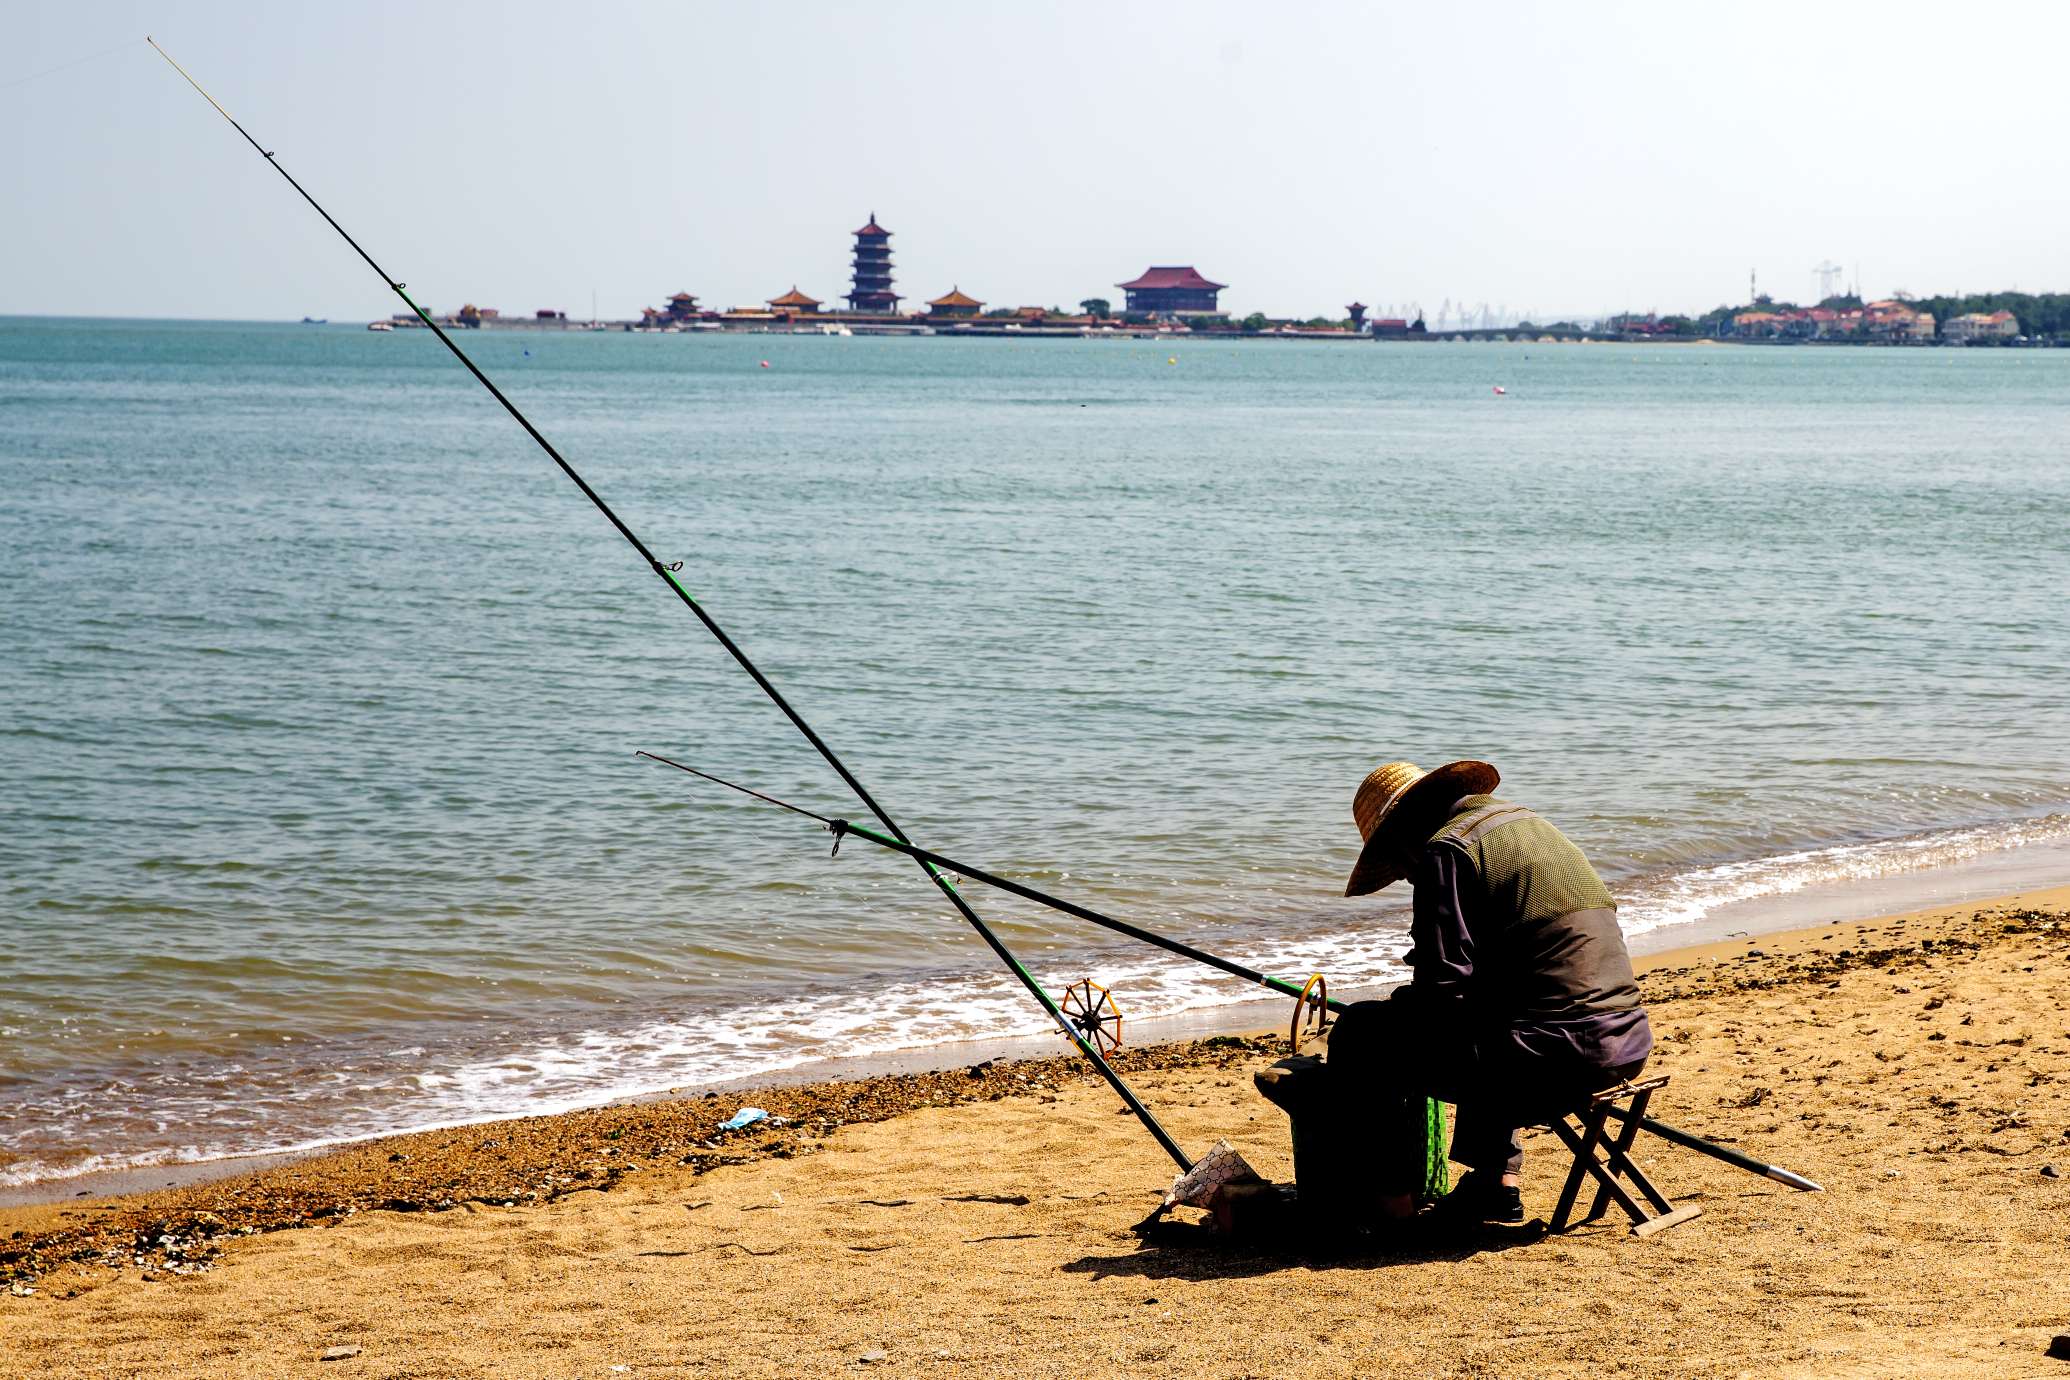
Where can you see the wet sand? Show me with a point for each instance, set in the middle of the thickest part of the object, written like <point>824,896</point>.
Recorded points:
<point>978,1223</point>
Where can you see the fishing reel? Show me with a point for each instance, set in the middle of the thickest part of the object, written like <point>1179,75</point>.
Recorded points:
<point>1090,1010</point>
<point>1312,1017</point>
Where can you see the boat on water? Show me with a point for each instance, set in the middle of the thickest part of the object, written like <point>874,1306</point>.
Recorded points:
<point>316,321</point>
<point>380,325</point>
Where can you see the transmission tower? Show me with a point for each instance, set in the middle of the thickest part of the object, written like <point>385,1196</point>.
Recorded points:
<point>1828,274</point>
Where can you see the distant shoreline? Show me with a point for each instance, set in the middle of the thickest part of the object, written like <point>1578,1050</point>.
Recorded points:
<point>1002,331</point>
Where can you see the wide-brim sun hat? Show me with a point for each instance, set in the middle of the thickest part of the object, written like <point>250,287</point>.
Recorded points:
<point>1396,791</point>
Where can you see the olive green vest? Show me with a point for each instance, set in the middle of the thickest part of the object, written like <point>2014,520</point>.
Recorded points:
<point>1544,926</point>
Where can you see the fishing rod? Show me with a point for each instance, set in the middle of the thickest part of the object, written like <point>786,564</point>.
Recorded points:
<point>1719,1152</point>
<point>841,828</point>
<point>668,575</point>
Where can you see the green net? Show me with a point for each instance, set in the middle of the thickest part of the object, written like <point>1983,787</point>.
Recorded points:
<point>1437,1171</point>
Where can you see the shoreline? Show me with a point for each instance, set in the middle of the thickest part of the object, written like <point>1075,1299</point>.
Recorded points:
<point>132,1217</point>
<point>1993,876</point>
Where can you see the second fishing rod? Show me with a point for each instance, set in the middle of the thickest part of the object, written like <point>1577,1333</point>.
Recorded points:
<point>841,828</point>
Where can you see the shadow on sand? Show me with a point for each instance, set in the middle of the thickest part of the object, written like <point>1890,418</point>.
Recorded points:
<point>1183,1250</point>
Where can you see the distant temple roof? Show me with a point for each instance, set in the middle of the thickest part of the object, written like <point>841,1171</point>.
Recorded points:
<point>1182,276</point>
<point>873,230</point>
<point>956,298</point>
<point>794,298</point>
<point>1355,306</point>
<point>683,297</point>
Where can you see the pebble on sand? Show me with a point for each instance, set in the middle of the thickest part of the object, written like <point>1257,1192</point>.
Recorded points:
<point>339,1353</point>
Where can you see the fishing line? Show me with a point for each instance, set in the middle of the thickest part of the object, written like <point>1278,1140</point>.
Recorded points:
<point>122,47</point>
<point>667,574</point>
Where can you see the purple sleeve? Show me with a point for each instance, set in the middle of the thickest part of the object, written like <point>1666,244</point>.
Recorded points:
<point>1441,947</point>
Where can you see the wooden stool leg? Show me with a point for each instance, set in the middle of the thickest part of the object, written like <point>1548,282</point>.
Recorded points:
<point>1621,1161</point>
<point>1620,1157</point>
<point>1583,1151</point>
<point>1584,1147</point>
<point>1607,1158</point>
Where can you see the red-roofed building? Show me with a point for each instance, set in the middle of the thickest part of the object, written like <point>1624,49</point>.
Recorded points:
<point>1976,325</point>
<point>1173,290</point>
<point>794,302</point>
<point>955,303</point>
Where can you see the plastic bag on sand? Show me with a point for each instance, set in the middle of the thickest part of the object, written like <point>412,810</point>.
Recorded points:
<point>1221,1167</point>
<point>746,1116</point>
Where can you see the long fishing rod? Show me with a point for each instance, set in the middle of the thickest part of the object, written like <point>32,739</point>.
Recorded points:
<point>841,828</point>
<point>667,573</point>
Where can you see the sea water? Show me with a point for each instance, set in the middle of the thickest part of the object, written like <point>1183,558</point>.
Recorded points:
<point>320,687</point>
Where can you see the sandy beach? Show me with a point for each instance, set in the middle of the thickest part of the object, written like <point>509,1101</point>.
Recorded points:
<point>977,1222</point>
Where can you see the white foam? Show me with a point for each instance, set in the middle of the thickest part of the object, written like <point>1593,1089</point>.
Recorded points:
<point>1689,897</point>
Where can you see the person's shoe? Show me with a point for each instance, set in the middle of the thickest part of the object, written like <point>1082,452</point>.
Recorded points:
<point>1483,1198</point>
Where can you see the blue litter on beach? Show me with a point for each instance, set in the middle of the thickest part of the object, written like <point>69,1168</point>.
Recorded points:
<point>746,1116</point>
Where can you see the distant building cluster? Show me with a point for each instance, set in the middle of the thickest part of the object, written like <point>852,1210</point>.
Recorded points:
<point>1889,321</point>
<point>1164,298</point>
<point>1161,294</point>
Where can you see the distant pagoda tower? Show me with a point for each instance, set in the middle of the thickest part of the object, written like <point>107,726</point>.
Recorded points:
<point>872,291</point>
<point>1357,312</point>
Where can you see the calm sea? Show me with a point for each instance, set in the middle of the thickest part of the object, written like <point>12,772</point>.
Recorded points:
<point>320,687</point>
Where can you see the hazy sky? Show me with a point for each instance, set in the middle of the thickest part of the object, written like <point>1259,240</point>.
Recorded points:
<point>1571,158</point>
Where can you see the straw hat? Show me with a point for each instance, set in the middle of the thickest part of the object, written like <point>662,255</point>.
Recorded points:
<point>1395,792</point>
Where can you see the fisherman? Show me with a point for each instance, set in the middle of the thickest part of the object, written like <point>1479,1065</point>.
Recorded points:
<point>1522,999</point>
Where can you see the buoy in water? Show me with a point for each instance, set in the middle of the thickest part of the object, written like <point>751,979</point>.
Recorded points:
<point>765,364</point>
<point>1173,360</point>
<point>1500,391</point>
